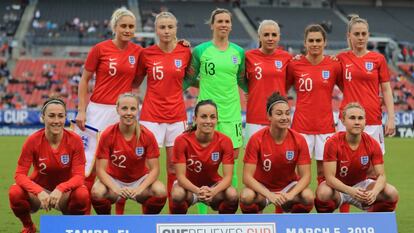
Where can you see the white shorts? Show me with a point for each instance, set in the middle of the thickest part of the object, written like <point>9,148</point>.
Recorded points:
<point>375,131</point>
<point>250,130</point>
<point>165,133</point>
<point>346,198</point>
<point>316,144</point>
<point>98,116</point>
<point>133,184</point>
<point>101,116</point>
<point>284,190</point>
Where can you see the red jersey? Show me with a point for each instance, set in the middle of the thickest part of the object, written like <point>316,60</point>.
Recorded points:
<point>115,70</point>
<point>276,163</point>
<point>314,85</point>
<point>127,158</point>
<point>62,168</point>
<point>361,79</point>
<point>265,74</point>
<point>203,162</point>
<point>352,165</point>
<point>164,100</point>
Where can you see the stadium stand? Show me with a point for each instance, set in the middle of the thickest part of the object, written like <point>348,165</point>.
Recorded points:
<point>72,22</point>
<point>192,19</point>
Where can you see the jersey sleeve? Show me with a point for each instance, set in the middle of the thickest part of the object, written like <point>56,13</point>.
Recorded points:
<point>179,150</point>
<point>290,79</point>
<point>23,167</point>
<point>252,151</point>
<point>330,153</point>
<point>241,73</point>
<point>78,167</point>
<point>194,68</point>
<point>152,150</point>
<point>141,69</point>
<point>92,60</point>
<point>383,72</point>
<point>303,157</point>
<point>103,149</point>
<point>228,153</point>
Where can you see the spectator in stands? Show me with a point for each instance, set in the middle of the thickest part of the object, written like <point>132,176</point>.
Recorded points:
<point>363,72</point>
<point>114,62</point>
<point>265,74</point>
<point>277,165</point>
<point>198,154</point>
<point>165,65</point>
<point>59,165</point>
<point>127,161</point>
<point>347,159</point>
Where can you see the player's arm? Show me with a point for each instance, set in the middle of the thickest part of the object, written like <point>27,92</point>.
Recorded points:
<point>83,98</point>
<point>104,177</point>
<point>380,183</point>
<point>241,73</point>
<point>154,171</point>
<point>329,171</point>
<point>140,72</point>
<point>224,183</point>
<point>250,182</point>
<point>389,105</point>
<point>304,172</point>
<point>180,170</point>
<point>192,72</point>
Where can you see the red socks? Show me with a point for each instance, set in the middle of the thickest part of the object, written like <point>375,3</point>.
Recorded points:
<point>102,206</point>
<point>325,206</point>
<point>153,205</point>
<point>19,203</point>
<point>344,208</point>
<point>383,206</point>
<point>178,207</point>
<point>79,202</point>
<point>301,208</point>
<point>120,206</point>
<point>171,178</point>
<point>226,207</point>
<point>249,209</point>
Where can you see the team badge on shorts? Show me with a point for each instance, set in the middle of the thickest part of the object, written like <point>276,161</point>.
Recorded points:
<point>85,141</point>
<point>278,64</point>
<point>234,59</point>
<point>364,160</point>
<point>178,63</point>
<point>64,159</point>
<point>325,74</point>
<point>290,154</point>
<point>215,156</point>
<point>369,66</point>
<point>131,60</point>
<point>139,151</point>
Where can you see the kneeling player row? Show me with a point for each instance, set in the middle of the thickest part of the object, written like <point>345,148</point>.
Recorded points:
<point>276,166</point>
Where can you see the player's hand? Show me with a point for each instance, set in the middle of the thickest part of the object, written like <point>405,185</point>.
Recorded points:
<point>333,57</point>
<point>277,199</point>
<point>210,194</point>
<point>390,128</point>
<point>80,120</point>
<point>371,197</point>
<point>44,200</point>
<point>184,42</point>
<point>297,57</point>
<point>358,194</point>
<point>288,196</point>
<point>55,198</point>
<point>135,192</point>
<point>201,195</point>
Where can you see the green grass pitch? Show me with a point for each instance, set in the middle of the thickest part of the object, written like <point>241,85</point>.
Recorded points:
<point>398,164</point>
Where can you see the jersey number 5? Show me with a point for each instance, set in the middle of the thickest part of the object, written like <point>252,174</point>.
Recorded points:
<point>112,68</point>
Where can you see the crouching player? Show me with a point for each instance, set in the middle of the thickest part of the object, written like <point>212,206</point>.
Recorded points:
<point>58,163</point>
<point>347,158</point>
<point>272,157</point>
<point>124,152</point>
<point>198,154</point>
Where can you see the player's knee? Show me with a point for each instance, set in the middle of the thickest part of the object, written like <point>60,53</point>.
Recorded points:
<point>16,193</point>
<point>231,195</point>
<point>158,189</point>
<point>391,193</point>
<point>324,192</point>
<point>307,196</point>
<point>178,194</point>
<point>82,194</point>
<point>98,191</point>
<point>247,196</point>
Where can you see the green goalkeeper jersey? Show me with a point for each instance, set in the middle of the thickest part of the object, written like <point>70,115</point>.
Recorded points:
<point>220,73</point>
